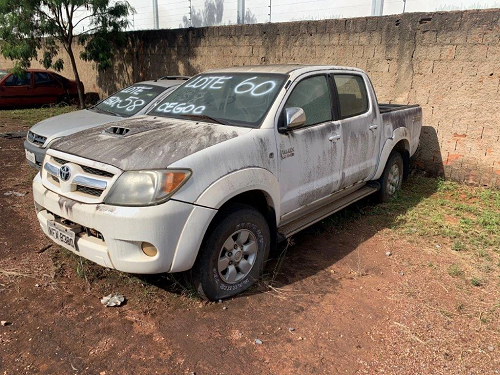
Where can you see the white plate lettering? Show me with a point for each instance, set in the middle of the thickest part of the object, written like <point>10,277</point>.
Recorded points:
<point>30,156</point>
<point>64,237</point>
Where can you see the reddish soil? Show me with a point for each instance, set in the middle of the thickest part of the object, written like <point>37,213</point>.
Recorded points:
<point>338,305</point>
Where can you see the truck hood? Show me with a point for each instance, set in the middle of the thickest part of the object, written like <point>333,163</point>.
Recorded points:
<point>149,143</point>
<point>69,123</point>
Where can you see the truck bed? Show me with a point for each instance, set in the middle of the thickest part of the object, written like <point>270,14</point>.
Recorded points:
<point>403,116</point>
<point>385,107</point>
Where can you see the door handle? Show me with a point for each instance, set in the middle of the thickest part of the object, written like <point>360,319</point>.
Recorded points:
<point>334,138</point>
<point>373,127</point>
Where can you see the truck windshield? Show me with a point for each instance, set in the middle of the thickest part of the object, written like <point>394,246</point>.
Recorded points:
<point>129,101</point>
<point>238,99</point>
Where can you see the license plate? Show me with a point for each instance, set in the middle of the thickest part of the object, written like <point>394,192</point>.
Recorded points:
<point>62,235</point>
<point>30,156</point>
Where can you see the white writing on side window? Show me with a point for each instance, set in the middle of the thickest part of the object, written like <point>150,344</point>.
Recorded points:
<point>255,90</point>
<point>212,83</point>
<point>247,86</point>
<point>180,108</point>
<point>135,89</point>
<point>130,103</point>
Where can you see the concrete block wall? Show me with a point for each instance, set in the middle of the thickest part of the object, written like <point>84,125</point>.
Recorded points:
<point>447,62</point>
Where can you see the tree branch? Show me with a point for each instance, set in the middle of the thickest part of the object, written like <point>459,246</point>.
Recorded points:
<point>90,15</point>
<point>62,29</point>
<point>69,14</point>
<point>88,31</point>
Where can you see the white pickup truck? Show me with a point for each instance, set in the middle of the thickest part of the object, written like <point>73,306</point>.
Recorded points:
<point>234,160</point>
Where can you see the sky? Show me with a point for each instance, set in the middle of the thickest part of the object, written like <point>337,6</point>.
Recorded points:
<point>175,13</point>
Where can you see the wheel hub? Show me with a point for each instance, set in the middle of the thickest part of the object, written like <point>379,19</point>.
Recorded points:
<point>394,179</point>
<point>237,256</point>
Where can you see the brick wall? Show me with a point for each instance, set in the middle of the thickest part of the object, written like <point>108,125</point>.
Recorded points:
<point>447,62</point>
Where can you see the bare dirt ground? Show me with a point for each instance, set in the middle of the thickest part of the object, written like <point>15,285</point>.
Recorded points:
<point>333,302</point>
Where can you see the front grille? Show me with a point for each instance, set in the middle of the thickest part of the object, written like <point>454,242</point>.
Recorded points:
<point>97,172</point>
<point>90,170</point>
<point>90,191</point>
<point>36,139</point>
<point>59,161</point>
<point>84,183</point>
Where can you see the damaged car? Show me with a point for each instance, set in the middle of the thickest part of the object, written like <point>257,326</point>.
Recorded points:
<point>230,163</point>
<point>134,100</point>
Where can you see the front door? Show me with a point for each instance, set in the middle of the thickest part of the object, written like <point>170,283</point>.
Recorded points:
<point>310,157</point>
<point>17,91</point>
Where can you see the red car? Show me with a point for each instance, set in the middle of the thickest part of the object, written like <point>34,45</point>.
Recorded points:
<point>37,87</point>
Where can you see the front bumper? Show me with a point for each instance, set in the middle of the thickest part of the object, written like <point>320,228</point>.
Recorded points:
<point>39,154</point>
<point>123,230</point>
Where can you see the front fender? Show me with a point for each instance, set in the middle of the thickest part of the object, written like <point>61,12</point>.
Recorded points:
<point>239,182</point>
<point>398,135</point>
<point>207,204</point>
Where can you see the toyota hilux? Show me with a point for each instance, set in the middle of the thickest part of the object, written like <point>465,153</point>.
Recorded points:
<point>233,161</point>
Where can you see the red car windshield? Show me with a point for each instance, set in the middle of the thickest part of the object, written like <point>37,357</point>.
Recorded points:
<point>3,73</point>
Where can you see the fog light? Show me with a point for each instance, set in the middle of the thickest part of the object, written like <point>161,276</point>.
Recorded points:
<point>149,249</point>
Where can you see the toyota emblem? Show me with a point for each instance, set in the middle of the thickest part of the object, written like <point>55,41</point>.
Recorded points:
<point>64,173</point>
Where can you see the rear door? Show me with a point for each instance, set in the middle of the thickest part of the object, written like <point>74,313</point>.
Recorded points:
<point>47,89</point>
<point>360,131</point>
<point>17,91</point>
<point>310,156</point>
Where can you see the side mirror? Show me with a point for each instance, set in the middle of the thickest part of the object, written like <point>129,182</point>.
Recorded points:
<point>294,117</point>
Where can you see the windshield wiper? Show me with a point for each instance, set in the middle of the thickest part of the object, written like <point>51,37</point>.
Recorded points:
<point>205,117</point>
<point>105,111</point>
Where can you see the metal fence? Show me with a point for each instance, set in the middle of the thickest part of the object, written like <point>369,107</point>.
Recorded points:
<point>196,13</point>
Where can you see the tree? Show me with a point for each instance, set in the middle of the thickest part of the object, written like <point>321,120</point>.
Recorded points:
<point>211,15</point>
<point>30,27</point>
<point>250,18</point>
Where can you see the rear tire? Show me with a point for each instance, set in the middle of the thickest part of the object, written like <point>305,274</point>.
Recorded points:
<point>233,253</point>
<point>63,99</point>
<point>391,179</point>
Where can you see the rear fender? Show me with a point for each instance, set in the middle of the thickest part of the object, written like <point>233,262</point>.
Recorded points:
<point>400,134</point>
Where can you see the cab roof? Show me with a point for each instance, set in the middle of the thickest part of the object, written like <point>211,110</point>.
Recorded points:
<point>167,81</point>
<point>279,68</point>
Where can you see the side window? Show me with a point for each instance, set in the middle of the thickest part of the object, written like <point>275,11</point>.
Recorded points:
<point>13,80</point>
<point>43,79</point>
<point>60,78</point>
<point>352,95</point>
<point>313,96</point>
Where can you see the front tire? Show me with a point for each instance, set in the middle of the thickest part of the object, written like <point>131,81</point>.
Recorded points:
<point>391,179</point>
<point>233,253</point>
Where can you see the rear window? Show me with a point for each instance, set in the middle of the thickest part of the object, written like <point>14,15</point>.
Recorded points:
<point>352,95</point>
<point>62,79</point>
<point>130,100</point>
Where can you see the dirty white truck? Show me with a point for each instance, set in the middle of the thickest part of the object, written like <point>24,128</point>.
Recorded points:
<point>234,160</point>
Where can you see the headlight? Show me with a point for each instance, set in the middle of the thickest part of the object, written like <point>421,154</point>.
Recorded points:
<point>146,188</point>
